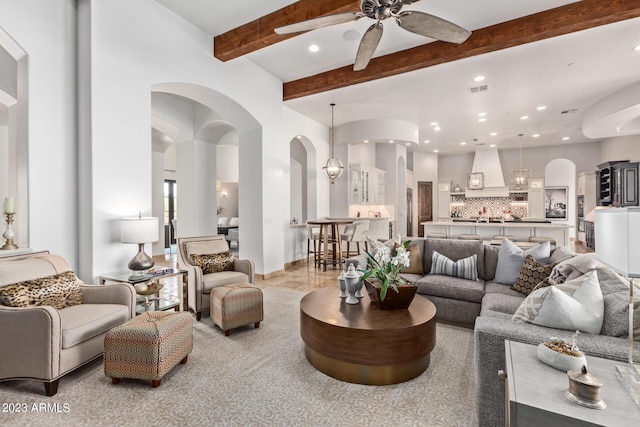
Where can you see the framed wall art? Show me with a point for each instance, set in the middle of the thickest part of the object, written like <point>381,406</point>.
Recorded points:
<point>555,202</point>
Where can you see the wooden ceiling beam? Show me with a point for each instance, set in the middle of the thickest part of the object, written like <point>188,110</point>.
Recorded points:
<point>566,19</point>
<point>260,33</point>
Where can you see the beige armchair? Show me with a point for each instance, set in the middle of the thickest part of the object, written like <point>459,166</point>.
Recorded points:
<point>199,284</point>
<point>43,343</point>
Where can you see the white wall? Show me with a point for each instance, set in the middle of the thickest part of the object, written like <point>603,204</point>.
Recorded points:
<point>152,45</point>
<point>620,148</point>
<point>227,160</point>
<point>46,30</point>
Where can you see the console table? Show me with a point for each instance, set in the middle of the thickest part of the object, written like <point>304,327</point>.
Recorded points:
<point>535,393</point>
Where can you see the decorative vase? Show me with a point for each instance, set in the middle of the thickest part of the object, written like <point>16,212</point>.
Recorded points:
<point>352,279</point>
<point>343,285</point>
<point>393,299</point>
<point>564,362</point>
<point>360,285</point>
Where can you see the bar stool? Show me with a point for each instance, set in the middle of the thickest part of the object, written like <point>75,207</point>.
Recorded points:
<point>542,239</point>
<point>505,236</point>
<point>436,235</point>
<point>468,237</point>
<point>312,237</point>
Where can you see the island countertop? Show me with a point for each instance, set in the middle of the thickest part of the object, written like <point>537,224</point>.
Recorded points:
<point>522,230</point>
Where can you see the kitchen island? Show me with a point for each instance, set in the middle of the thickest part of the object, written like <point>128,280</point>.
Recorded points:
<point>522,230</point>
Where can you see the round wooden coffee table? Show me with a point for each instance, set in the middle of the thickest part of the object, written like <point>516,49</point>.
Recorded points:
<point>365,345</point>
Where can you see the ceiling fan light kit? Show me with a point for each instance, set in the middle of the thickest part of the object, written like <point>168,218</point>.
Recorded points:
<point>416,22</point>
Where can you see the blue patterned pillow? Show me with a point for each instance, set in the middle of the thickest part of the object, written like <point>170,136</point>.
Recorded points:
<point>465,268</point>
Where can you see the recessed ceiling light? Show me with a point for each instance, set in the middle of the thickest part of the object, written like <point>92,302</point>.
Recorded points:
<point>524,117</point>
<point>434,123</point>
<point>435,151</point>
<point>483,119</point>
<point>299,136</point>
<point>426,141</point>
<point>492,145</point>
<point>391,141</point>
<point>437,128</point>
<point>542,107</point>
<point>407,144</point>
<point>535,135</point>
<point>637,48</point>
<point>493,133</point>
<point>566,138</point>
<point>482,114</point>
<point>463,143</point>
<point>314,48</point>
<point>478,78</point>
<point>366,141</point>
<point>351,35</point>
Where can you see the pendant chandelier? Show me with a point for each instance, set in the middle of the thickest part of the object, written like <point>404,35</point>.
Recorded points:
<point>333,168</point>
<point>520,178</point>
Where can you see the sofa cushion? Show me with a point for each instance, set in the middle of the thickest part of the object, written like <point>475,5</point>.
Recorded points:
<point>454,249</point>
<point>375,245</point>
<point>451,287</point>
<point>490,261</point>
<point>503,303</point>
<point>213,246</point>
<point>615,291</point>
<point>576,304</point>
<point>222,278</point>
<point>465,268</point>
<point>213,263</point>
<point>58,291</point>
<point>82,322</point>
<point>499,288</point>
<point>511,258</point>
<point>415,259</point>
<point>531,273</point>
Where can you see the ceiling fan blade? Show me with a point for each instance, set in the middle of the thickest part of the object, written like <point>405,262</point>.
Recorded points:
<point>322,21</point>
<point>433,27</point>
<point>368,46</point>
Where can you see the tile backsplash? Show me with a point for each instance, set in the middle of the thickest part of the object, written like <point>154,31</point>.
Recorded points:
<point>462,207</point>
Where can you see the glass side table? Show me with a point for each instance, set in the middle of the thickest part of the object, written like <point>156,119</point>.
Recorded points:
<point>158,301</point>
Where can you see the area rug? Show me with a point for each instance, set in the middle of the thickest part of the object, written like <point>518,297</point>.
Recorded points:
<point>254,377</point>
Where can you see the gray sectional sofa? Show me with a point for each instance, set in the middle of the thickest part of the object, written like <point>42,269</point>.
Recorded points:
<point>488,307</point>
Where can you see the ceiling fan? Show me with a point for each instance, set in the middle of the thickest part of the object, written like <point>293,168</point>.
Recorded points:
<point>420,23</point>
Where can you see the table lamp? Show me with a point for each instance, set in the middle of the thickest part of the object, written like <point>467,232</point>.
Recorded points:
<point>140,231</point>
<point>617,232</point>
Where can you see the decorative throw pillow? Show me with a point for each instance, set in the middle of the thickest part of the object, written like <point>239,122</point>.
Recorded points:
<point>511,258</point>
<point>213,263</point>
<point>465,268</point>
<point>392,244</point>
<point>574,305</point>
<point>58,291</point>
<point>415,260</point>
<point>531,274</point>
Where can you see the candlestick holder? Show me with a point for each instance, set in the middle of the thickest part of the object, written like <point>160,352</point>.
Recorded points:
<point>9,234</point>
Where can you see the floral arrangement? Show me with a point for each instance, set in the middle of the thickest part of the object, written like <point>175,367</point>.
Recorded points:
<point>386,268</point>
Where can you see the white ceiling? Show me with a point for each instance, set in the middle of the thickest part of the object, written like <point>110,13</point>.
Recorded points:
<point>563,73</point>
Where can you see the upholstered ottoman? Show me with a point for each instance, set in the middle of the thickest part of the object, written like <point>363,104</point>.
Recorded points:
<point>236,305</point>
<point>148,346</point>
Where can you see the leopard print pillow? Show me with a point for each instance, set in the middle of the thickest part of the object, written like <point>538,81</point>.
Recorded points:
<point>58,291</point>
<point>213,263</point>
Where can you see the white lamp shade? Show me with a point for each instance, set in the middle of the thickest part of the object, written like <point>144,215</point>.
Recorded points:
<point>617,236</point>
<point>139,230</point>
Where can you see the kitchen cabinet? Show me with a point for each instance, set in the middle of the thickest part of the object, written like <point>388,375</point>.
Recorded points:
<point>617,183</point>
<point>367,185</point>
<point>444,199</point>
<point>536,198</point>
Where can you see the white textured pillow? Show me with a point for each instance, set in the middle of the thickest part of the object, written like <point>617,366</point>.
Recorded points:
<point>375,245</point>
<point>511,258</point>
<point>574,305</point>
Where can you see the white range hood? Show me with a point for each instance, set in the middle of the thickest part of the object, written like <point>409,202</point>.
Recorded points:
<point>487,161</point>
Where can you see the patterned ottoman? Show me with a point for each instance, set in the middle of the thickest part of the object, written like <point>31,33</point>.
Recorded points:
<point>148,346</point>
<point>236,305</point>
